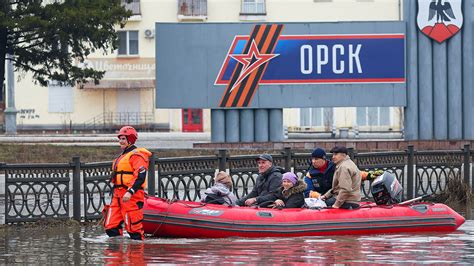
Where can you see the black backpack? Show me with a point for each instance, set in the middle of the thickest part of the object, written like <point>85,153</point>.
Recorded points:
<point>214,199</point>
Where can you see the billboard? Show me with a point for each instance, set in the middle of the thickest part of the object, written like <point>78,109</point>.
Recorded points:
<point>280,65</point>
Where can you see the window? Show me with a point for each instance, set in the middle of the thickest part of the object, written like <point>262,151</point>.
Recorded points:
<point>253,7</point>
<point>192,8</point>
<point>60,98</point>
<point>132,5</point>
<point>316,117</point>
<point>373,116</point>
<point>128,42</point>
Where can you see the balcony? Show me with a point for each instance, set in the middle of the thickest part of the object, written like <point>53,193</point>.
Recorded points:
<point>192,10</point>
<point>134,6</point>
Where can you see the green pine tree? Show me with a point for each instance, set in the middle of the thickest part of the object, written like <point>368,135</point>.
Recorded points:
<point>49,37</point>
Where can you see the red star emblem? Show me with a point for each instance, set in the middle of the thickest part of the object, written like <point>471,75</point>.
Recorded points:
<point>251,61</point>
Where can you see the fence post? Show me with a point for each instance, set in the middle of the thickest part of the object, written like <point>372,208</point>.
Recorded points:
<point>410,172</point>
<point>222,158</point>
<point>159,178</point>
<point>76,186</point>
<point>151,175</point>
<point>467,163</point>
<point>351,153</point>
<point>287,152</point>
<point>467,168</point>
<point>3,171</point>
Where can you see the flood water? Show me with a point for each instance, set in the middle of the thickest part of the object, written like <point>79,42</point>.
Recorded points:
<point>88,245</point>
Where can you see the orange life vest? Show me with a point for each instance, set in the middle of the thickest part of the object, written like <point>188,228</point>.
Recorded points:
<point>123,168</point>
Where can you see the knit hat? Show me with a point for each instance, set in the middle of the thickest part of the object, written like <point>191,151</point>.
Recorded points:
<point>318,153</point>
<point>290,177</point>
<point>223,178</point>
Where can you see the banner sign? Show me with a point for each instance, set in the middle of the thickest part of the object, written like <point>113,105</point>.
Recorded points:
<point>307,59</point>
<point>327,59</point>
<point>280,65</point>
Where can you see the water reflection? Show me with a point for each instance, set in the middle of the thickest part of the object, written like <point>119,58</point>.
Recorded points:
<point>88,245</point>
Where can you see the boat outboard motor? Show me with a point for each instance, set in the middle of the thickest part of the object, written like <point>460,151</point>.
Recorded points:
<point>386,189</point>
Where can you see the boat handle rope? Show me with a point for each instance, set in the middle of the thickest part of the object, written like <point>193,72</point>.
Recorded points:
<point>169,201</point>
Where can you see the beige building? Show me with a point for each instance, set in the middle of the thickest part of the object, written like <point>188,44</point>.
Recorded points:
<point>126,95</point>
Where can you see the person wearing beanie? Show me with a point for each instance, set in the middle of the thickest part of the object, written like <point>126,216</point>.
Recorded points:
<point>267,182</point>
<point>320,174</point>
<point>221,192</point>
<point>128,180</point>
<point>290,195</point>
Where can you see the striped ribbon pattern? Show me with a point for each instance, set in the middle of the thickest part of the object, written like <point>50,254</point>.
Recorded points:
<point>266,37</point>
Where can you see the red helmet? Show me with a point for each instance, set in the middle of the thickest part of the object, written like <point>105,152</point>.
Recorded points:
<point>130,133</point>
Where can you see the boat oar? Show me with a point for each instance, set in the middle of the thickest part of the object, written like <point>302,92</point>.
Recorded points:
<point>414,199</point>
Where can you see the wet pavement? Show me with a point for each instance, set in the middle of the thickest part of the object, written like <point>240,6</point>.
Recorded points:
<point>87,244</point>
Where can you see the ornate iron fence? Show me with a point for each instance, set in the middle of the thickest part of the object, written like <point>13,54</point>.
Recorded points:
<point>185,178</point>
<point>434,168</point>
<point>37,191</point>
<point>394,162</point>
<point>34,192</point>
<point>96,188</point>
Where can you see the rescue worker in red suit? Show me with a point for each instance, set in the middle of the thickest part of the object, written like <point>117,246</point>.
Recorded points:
<point>129,180</point>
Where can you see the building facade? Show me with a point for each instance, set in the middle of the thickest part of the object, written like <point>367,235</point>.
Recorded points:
<point>127,94</point>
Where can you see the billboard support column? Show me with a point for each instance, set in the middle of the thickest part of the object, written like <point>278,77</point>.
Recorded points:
<point>261,125</point>
<point>425,95</point>
<point>232,133</point>
<point>455,88</point>
<point>411,109</point>
<point>217,125</point>
<point>247,125</point>
<point>440,91</point>
<point>467,67</point>
<point>276,125</point>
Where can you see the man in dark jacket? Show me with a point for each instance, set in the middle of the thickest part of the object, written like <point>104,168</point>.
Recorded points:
<point>268,181</point>
<point>320,174</point>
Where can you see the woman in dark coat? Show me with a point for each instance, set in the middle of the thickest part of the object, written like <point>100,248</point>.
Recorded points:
<point>291,193</point>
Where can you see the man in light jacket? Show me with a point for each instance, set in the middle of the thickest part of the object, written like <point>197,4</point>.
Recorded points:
<point>345,192</point>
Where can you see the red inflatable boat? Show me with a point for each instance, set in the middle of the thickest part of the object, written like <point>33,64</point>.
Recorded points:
<point>195,220</point>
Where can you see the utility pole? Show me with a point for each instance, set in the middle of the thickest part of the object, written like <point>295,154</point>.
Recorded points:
<point>10,111</point>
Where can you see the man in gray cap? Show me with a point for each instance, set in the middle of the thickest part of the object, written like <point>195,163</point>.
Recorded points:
<point>268,181</point>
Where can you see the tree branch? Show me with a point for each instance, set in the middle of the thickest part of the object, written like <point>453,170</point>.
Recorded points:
<point>14,2</point>
<point>29,46</point>
<point>23,39</point>
<point>25,66</point>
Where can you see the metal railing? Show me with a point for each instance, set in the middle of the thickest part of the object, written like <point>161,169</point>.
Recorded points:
<point>38,191</point>
<point>116,119</point>
<point>34,192</point>
<point>192,8</point>
<point>96,186</point>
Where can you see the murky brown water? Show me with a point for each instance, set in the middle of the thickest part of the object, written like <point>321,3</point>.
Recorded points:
<point>88,245</point>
